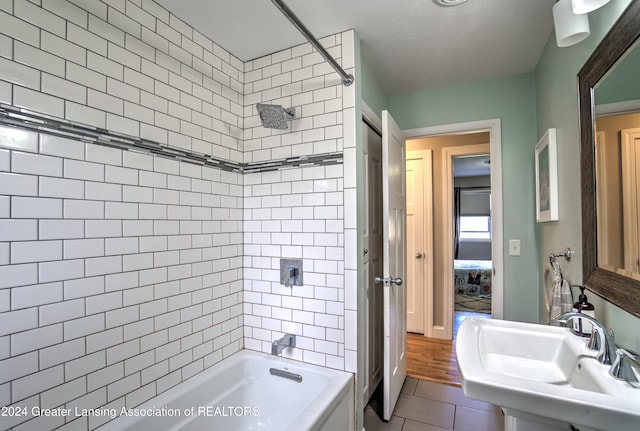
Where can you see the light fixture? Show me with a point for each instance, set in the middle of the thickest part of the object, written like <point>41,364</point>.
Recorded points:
<point>586,6</point>
<point>448,2</point>
<point>570,28</point>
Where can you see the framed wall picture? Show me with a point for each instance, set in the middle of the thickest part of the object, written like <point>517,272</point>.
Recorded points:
<point>547,177</point>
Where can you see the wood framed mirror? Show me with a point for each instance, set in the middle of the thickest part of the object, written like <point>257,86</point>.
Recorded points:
<point>620,286</point>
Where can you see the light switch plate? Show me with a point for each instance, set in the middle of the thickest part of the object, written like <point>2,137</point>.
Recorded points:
<point>514,247</point>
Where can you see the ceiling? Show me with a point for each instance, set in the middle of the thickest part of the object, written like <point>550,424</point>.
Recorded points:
<point>407,44</point>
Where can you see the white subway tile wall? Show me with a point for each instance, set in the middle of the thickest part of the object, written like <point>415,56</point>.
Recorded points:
<point>299,212</point>
<point>101,66</point>
<point>122,274</point>
<point>81,290</point>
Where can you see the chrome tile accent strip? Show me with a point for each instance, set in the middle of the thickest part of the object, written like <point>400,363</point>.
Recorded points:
<point>294,162</point>
<point>25,119</point>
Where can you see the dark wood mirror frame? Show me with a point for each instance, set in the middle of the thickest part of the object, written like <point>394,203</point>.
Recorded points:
<point>615,288</point>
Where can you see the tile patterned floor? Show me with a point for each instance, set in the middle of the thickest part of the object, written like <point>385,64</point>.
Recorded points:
<point>429,406</point>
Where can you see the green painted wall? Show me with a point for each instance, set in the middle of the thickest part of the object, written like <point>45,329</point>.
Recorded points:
<point>557,106</point>
<point>372,93</point>
<point>621,84</point>
<point>512,99</point>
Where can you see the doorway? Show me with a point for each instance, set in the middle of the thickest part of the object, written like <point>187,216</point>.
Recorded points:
<point>493,127</point>
<point>460,260</point>
<point>472,265</point>
<point>391,280</point>
<point>478,139</point>
<point>372,257</point>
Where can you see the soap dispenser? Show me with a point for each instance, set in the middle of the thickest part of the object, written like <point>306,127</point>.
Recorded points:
<point>582,305</point>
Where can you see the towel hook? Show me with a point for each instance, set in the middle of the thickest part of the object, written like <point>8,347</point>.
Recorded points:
<point>555,265</point>
<point>567,253</point>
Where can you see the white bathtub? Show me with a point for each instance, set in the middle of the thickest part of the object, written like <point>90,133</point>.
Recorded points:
<point>240,393</point>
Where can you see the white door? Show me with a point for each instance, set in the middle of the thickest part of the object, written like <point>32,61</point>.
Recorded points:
<point>394,249</point>
<point>414,284</point>
<point>419,282</point>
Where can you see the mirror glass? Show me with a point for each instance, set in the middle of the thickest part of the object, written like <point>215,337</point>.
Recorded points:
<point>617,165</point>
<point>609,91</point>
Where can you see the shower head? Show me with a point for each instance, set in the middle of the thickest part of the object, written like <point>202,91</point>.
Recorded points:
<point>275,116</point>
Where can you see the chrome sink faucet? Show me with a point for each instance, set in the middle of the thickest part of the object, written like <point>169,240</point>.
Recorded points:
<point>289,340</point>
<point>601,340</point>
<point>622,368</point>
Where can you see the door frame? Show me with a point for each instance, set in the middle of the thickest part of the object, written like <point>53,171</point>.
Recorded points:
<point>448,154</point>
<point>493,126</point>
<point>601,203</point>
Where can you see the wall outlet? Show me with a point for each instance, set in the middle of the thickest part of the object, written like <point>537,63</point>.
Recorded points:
<point>514,247</point>
<point>291,272</point>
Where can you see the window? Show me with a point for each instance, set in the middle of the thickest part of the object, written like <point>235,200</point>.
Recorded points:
<point>475,227</point>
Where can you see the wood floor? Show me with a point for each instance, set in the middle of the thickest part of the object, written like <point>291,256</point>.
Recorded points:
<point>434,359</point>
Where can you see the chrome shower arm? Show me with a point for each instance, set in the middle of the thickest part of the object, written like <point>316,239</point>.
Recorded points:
<point>347,79</point>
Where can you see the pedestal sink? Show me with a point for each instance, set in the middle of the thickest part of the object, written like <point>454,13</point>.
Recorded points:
<point>544,378</point>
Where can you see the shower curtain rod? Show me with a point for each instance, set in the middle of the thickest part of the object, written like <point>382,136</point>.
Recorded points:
<point>347,79</point>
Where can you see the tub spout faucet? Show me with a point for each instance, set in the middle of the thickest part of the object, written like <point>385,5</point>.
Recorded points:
<point>601,340</point>
<point>289,340</point>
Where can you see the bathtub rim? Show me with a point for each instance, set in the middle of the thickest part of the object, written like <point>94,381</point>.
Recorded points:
<point>339,386</point>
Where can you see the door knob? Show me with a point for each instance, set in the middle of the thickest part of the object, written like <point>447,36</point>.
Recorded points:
<point>419,255</point>
<point>387,281</point>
